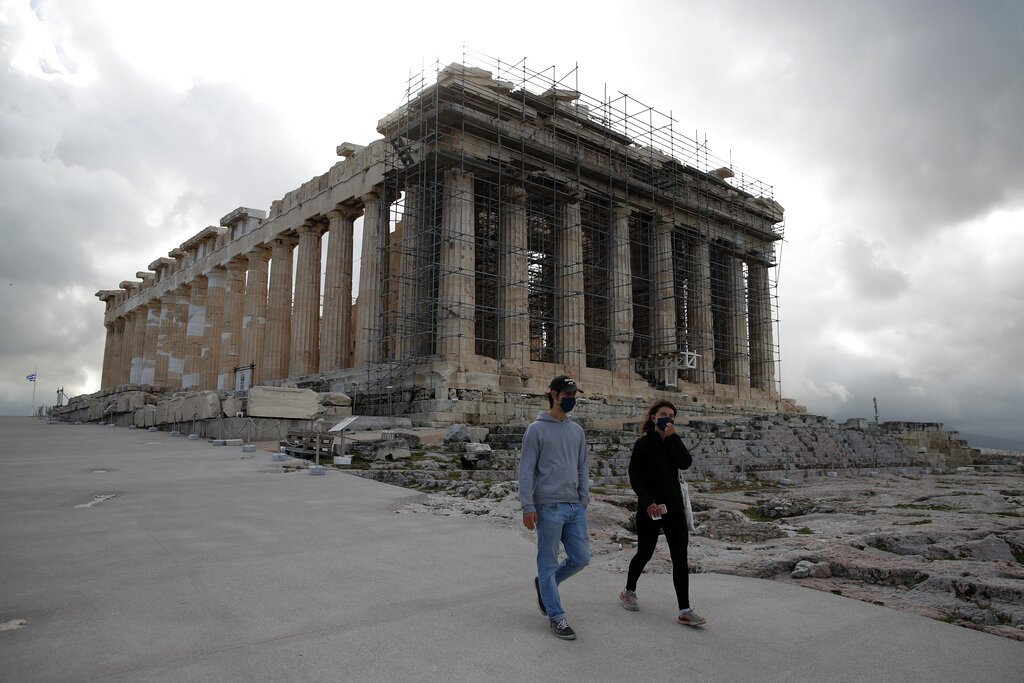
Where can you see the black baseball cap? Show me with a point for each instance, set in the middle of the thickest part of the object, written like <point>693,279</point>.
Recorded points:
<point>563,383</point>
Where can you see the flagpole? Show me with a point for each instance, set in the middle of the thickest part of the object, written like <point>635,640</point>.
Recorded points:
<point>35,378</point>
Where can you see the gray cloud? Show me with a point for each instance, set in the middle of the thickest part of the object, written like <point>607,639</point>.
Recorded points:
<point>99,180</point>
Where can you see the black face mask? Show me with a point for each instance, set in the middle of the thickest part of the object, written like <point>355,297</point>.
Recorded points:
<point>567,404</point>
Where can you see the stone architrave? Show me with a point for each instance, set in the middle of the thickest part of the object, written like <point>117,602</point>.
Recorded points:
<point>335,327</point>
<point>569,289</point>
<point>254,322</point>
<point>663,302</point>
<point>138,343</point>
<point>369,313</point>
<point>192,370</point>
<point>305,344</point>
<point>700,323</point>
<point>621,292</point>
<point>277,340</point>
<point>149,351</point>
<point>762,355</point>
<point>231,335</point>
<point>456,314</point>
<point>513,279</point>
<point>216,293</point>
<point>283,402</point>
<point>181,298</point>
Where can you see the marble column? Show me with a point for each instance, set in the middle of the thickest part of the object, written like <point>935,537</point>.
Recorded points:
<point>369,312</point>
<point>181,304</point>
<point>191,372</point>
<point>456,314</point>
<point>663,304</point>
<point>409,316</point>
<point>335,327</point>
<point>621,292</point>
<point>569,298</point>
<point>149,351</point>
<point>115,355</point>
<point>231,331</point>
<point>216,283</point>
<point>163,339</point>
<point>736,341</point>
<point>305,344</point>
<point>700,321</point>
<point>513,283</point>
<point>254,322</point>
<point>109,353</point>
<point>277,340</point>
<point>124,358</point>
<point>138,343</point>
<point>762,354</point>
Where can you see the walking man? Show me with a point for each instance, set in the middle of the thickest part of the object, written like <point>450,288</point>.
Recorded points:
<point>553,490</point>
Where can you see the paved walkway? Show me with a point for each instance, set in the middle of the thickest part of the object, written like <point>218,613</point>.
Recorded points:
<point>209,564</point>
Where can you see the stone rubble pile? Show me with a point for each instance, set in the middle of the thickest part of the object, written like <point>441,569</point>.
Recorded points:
<point>147,406</point>
<point>949,546</point>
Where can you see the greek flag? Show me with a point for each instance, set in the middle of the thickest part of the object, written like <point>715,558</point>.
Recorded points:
<point>31,377</point>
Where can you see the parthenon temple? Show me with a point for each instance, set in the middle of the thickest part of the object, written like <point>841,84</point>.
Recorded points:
<point>512,229</point>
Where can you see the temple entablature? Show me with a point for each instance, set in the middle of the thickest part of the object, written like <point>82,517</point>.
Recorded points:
<point>507,235</point>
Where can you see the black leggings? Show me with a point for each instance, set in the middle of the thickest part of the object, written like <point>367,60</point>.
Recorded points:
<point>677,535</point>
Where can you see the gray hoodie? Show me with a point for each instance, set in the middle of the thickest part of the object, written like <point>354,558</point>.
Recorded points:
<point>555,462</point>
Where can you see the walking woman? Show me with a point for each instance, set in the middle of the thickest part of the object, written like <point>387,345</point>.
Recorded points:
<point>658,456</point>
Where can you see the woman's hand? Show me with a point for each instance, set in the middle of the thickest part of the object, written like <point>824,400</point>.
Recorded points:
<point>669,430</point>
<point>653,511</point>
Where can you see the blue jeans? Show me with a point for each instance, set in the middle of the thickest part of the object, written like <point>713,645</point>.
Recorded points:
<point>564,523</point>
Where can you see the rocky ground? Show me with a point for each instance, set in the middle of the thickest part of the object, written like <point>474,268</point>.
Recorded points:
<point>945,546</point>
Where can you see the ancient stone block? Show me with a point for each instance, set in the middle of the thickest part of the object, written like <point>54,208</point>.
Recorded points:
<point>231,406</point>
<point>335,399</point>
<point>395,450</point>
<point>144,416</point>
<point>202,405</point>
<point>160,413</point>
<point>477,434</point>
<point>456,433</point>
<point>129,402</point>
<point>297,404</point>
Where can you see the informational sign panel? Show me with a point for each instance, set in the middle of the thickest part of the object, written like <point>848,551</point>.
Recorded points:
<point>243,380</point>
<point>340,427</point>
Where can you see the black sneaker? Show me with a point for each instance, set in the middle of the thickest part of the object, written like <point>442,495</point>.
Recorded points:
<point>562,630</point>
<point>540,600</point>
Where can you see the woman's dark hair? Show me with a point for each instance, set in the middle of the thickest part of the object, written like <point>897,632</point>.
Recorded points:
<point>647,426</point>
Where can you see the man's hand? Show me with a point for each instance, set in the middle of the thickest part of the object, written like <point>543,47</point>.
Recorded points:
<point>530,520</point>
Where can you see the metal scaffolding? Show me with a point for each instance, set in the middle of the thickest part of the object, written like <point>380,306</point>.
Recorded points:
<point>673,240</point>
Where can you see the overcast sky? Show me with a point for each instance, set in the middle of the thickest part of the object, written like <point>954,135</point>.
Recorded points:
<point>891,131</point>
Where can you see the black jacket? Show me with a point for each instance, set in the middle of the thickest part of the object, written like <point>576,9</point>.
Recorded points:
<point>654,470</point>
